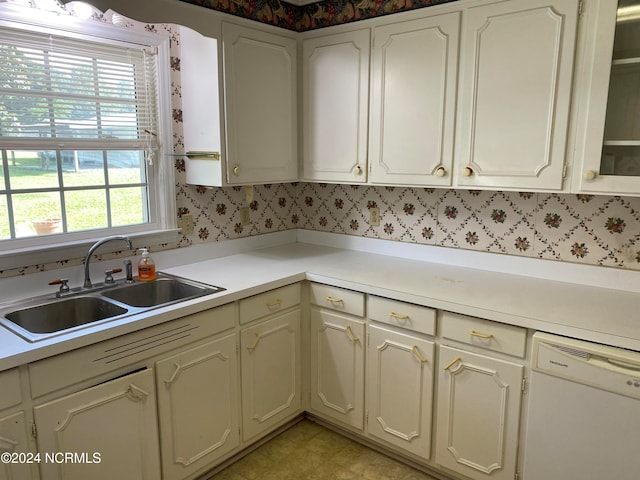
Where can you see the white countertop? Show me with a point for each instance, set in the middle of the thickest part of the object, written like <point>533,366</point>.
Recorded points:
<point>603,315</point>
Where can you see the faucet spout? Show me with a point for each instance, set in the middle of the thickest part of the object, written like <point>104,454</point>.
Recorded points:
<point>94,247</point>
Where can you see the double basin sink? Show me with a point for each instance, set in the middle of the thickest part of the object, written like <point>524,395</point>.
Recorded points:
<point>43,317</point>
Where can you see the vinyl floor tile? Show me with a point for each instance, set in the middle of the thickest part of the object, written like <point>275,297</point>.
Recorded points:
<point>312,452</point>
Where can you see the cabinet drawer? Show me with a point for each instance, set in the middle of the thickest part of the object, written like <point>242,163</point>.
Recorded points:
<point>10,391</point>
<point>335,298</point>
<point>405,315</point>
<point>269,302</point>
<point>494,336</point>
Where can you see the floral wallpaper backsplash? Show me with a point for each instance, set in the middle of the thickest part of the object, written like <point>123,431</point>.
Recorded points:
<point>595,230</point>
<point>587,229</point>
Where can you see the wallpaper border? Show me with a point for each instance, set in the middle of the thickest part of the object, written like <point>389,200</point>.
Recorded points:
<point>312,16</point>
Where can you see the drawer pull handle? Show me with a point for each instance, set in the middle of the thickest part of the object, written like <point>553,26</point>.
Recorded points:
<point>417,354</point>
<point>481,335</point>
<point>274,304</point>
<point>452,363</point>
<point>350,334</point>
<point>253,346</point>
<point>398,316</point>
<point>136,393</point>
<point>175,374</point>
<point>335,300</point>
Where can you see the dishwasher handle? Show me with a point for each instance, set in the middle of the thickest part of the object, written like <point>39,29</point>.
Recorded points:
<point>623,364</point>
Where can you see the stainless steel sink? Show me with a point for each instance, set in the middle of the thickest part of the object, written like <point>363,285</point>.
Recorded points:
<point>162,291</point>
<point>43,317</point>
<point>64,314</point>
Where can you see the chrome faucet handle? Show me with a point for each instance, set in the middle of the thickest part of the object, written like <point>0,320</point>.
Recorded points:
<point>64,286</point>
<point>108,275</point>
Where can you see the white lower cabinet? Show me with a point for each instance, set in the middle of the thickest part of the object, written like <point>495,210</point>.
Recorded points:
<point>270,357</point>
<point>198,406</point>
<point>110,429</point>
<point>400,389</point>
<point>13,427</point>
<point>337,366</point>
<point>479,399</point>
<point>13,440</point>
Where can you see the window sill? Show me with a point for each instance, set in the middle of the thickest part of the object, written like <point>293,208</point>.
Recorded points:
<point>56,252</point>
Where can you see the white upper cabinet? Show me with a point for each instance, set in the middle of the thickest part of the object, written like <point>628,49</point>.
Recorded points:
<point>413,99</point>
<point>201,112</point>
<point>260,80</point>
<point>515,89</point>
<point>335,96</point>
<point>607,156</point>
<point>259,114</point>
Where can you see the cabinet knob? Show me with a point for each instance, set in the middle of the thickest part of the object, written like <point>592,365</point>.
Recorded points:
<point>357,170</point>
<point>467,172</point>
<point>441,171</point>
<point>590,175</point>
<point>236,170</point>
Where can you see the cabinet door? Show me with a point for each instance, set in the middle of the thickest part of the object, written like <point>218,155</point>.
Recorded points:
<point>608,139</point>
<point>335,95</point>
<point>110,428</point>
<point>270,356</point>
<point>337,367</point>
<point>478,414</point>
<point>198,406</point>
<point>260,80</point>
<point>13,439</point>
<point>200,93</point>
<point>414,75</point>
<point>516,75</point>
<point>400,389</point>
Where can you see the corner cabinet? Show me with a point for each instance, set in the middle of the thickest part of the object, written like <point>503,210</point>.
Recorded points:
<point>335,96</point>
<point>112,427</point>
<point>270,358</point>
<point>607,156</point>
<point>414,74</point>
<point>337,354</point>
<point>515,87</point>
<point>260,79</point>
<point>198,406</point>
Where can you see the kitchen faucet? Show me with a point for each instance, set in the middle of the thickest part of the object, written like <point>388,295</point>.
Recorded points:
<point>87,259</point>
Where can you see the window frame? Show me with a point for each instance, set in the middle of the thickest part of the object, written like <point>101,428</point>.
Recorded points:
<point>162,227</point>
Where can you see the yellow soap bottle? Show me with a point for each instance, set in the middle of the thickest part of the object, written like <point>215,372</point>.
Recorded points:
<point>146,267</point>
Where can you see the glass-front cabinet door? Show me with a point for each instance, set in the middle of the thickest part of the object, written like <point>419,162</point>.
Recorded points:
<point>621,146</point>
<point>611,106</point>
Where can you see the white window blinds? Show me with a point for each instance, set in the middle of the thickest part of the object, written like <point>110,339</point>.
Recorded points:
<point>71,93</point>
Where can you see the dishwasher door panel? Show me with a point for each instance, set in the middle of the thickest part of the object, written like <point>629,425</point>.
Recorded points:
<point>576,431</point>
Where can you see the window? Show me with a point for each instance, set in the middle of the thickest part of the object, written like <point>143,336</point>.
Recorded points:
<point>79,132</point>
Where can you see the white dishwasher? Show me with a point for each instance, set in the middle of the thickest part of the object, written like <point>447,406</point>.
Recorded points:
<point>583,421</point>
